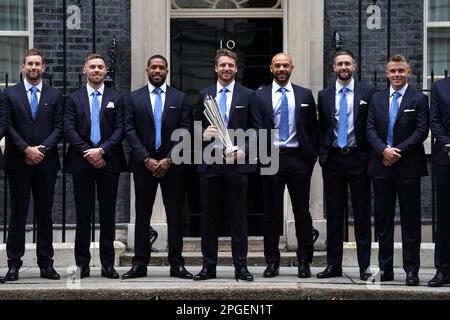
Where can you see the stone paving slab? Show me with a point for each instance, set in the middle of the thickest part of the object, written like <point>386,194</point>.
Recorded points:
<point>158,285</point>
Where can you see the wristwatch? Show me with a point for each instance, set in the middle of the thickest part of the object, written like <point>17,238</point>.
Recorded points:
<point>102,151</point>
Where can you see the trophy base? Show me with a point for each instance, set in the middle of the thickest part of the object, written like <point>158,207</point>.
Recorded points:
<point>230,150</point>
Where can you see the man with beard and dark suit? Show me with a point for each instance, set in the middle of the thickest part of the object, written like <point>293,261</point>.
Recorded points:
<point>35,113</point>
<point>154,112</point>
<point>292,110</point>
<point>440,127</point>
<point>94,129</point>
<point>344,155</point>
<point>397,126</point>
<point>223,186</point>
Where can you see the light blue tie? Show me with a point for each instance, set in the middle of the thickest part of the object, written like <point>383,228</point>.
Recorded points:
<point>95,118</point>
<point>157,114</point>
<point>395,105</point>
<point>34,101</point>
<point>342,124</point>
<point>284,115</point>
<point>223,105</point>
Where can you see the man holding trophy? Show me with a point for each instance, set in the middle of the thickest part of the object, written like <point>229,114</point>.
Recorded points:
<point>223,184</point>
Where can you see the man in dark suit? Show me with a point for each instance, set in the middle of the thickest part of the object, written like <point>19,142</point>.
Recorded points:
<point>94,129</point>
<point>440,127</point>
<point>292,110</point>
<point>154,112</point>
<point>397,125</point>
<point>223,186</point>
<point>35,113</point>
<point>343,155</point>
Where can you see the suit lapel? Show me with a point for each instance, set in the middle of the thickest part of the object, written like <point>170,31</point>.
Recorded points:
<point>167,104</point>
<point>234,100</point>
<point>105,100</point>
<point>84,98</point>
<point>147,102</point>
<point>22,93</point>
<point>298,106</point>
<point>269,105</point>
<point>403,105</point>
<point>356,101</point>
<point>385,110</point>
<point>42,101</point>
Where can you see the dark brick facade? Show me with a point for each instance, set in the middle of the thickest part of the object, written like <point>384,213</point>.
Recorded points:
<point>406,35</point>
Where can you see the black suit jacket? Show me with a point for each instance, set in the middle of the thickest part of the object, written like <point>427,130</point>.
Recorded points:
<point>23,131</point>
<point>327,110</point>
<point>3,125</point>
<point>440,121</point>
<point>140,125</point>
<point>243,115</point>
<point>410,131</point>
<point>305,117</point>
<point>77,129</point>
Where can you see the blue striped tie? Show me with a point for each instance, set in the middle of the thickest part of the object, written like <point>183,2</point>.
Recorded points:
<point>34,101</point>
<point>284,117</point>
<point>395,105</point>
<point>342,124</point>
<point>157,114</point>
<point>95,118</point>
<point>223,105</point>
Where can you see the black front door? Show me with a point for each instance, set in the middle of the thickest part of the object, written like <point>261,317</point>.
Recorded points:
<point>193,46</point>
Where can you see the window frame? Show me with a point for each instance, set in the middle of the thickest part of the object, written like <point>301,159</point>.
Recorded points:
<point>427,27</point>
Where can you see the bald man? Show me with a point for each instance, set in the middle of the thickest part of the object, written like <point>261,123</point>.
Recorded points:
<point>292,110</point>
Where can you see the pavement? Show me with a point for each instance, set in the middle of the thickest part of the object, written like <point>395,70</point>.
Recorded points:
<point>159,286</point>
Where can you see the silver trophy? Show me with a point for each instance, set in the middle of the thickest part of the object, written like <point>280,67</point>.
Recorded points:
<point>214,116</point>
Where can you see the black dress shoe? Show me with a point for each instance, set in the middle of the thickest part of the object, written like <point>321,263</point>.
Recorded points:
<point>205,274</point>
<point>364,274</point>
<point>243,274</point>
<point>439,280</point>
<point>109,272</point>
<point>303,269</point>
<point>180,272</point>
<point>330,272</point>
<point>12,274</point>
<point>412,279</point>
<point>272,270</point>
<point>386,275</point>
<point>84,271</point>
<point>2,280</point>
<point>49,273</point>
<point>135,272</point>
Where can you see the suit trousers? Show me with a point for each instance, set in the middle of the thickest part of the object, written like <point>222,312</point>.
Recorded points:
<point>85,185</point>
<point>442,251</point>
<point>172,192</point>
<point>298,183</point>
<point>227,191</point>
<point>42,185</point>
<point>386,190</point>
<point>340,173</point>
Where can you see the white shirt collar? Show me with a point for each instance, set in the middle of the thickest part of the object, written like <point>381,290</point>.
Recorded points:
<point>151,87</point>
<point>402,90</point>
<point>229,87</point>
<point>350,86</point>
<point>276,87</point>
<point>28,85</point>
<point>90,90</point>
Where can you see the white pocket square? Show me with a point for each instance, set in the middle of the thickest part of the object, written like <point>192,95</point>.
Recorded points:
<point>304,105</point>
<point>110,105</point>
<point>173,107</point>
<point>362,102</point>
<point>241,107</point>
<point>409,110</point>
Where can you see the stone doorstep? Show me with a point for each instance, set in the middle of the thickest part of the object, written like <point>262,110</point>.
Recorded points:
<point>64,254</point>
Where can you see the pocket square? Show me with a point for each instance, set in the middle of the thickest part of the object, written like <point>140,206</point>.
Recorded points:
<point>304,105</point>
<point>362,102</point>
<point>110,105</point>
<point>173,107</point>
<point>241,107</point>
<point>409,110</point>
